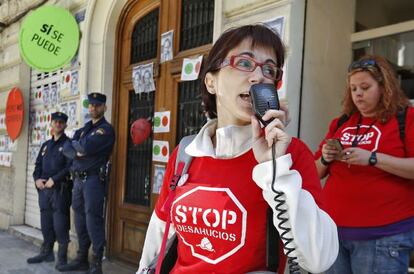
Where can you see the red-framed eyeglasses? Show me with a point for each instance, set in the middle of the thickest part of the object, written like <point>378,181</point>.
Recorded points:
<point>248,64</point>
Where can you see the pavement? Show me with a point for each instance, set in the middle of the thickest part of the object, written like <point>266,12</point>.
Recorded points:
<point>15,251</point>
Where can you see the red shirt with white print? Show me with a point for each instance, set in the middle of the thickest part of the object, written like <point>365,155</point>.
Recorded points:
<point>366,196</point>
<point>220,214</point>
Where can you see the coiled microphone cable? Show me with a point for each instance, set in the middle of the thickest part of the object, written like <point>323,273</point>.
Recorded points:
<point>293,264</point>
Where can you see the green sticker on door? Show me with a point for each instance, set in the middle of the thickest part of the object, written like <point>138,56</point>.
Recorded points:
<point>48,38</point>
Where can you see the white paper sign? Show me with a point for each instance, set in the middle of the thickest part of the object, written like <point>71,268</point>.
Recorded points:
<point>72,113</point>
<point>86,116</point>
<point>159,172</point>
<point>5,159</point>
<point>2,120</point>
<point>74,84</point>
<point>147,77</point>
<point>167,46</point>
<point>160,151</point>
<point>162,121</point>
<point>65,80</point>
<point>191,68</point>
<point>137,79</point>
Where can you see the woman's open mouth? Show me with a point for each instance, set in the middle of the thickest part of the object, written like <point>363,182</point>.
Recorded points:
<point>245,97</point>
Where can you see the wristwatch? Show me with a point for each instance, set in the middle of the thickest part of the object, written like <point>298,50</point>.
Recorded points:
<point>373,159</point>
<point>324,162</point>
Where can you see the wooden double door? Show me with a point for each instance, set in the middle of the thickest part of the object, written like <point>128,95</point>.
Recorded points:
<point>139,30</point>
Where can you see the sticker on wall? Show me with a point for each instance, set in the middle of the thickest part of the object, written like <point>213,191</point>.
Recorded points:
<point>33,151</point>
<point>147,77</point>
<point>277,25</point>
<point>5,159</point>
<point>54,94</point>
<point>136,79</point>
<point>162,121</point>
<point>46,95</point>
<point>74,85</point>
<point>85,109</point>
<point>167,46</point>
<point>160,151</point>
<point>36,96</point>
<point>72,113</point>
<point>2,142</point>
<point>159,172</point>
<point>2,120</point>
<point>64,108</point>
<point>191,68</point>
<point>65,80</point>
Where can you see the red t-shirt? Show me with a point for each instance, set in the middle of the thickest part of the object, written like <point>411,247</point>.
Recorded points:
<point>220,214</point>
<point>366,196</point>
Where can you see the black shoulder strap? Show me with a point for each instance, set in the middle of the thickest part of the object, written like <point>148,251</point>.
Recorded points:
<point>344,117</point>
<point>401,117</point>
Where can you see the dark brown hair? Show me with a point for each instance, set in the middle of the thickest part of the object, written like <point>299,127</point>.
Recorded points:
<point>260,35</point>
<point>392,97</point>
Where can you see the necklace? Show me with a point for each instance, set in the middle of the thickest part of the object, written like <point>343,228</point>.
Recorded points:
<point>357,139</point>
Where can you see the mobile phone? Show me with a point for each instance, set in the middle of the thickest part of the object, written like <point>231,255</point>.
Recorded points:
<point>264,97</point>
<point>336,143</point>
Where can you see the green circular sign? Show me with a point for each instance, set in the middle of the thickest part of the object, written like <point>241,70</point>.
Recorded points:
<point>157,121</point>
<point>188,68</point>
<point>48,38</point>
<point>85,103</point>
<point>157,149</point>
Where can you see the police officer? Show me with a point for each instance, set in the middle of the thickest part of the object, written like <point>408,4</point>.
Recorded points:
<point>90,149</point>
<point>51,176</point>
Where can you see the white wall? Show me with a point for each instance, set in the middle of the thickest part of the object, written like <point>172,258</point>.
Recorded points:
<point>329,25</point>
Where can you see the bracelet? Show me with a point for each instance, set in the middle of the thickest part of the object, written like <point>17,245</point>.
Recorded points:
<point>324,162</point>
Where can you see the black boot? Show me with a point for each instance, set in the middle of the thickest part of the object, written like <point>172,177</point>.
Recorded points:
<point>45,255</point>
<point>80,263</point>
<point>62,256</point>
<point>96,265</point>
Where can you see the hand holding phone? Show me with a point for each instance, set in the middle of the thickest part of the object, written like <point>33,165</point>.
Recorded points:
<point>335,143</point>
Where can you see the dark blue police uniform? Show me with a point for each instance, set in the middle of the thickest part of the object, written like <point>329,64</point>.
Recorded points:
<point>90,148</point>
<point>54,202</point>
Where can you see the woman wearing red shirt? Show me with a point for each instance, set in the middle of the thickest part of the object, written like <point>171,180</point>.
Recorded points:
<point>369,190</point>
<point>219,212</point>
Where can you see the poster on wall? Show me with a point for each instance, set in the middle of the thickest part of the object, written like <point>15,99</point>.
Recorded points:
<point>36,96</point>
<point>162,121</point>
<point>64,108</point>
<point>191,68</point>
<point>72,113</point>
<point>159,172</point>
<point>5,159</point>
<point>54,94</point>
<point>167,46</point>
<point>46,95</point>
<point>2,121</point>
<point>74,85</point>
<point>160,151</point>
<point>136,80</point>
<point>86,117</point>
<point>147,77</point>
<point>277,25</point>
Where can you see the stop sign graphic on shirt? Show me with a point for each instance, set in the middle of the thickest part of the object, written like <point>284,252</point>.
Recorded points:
<point>211,222</point>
